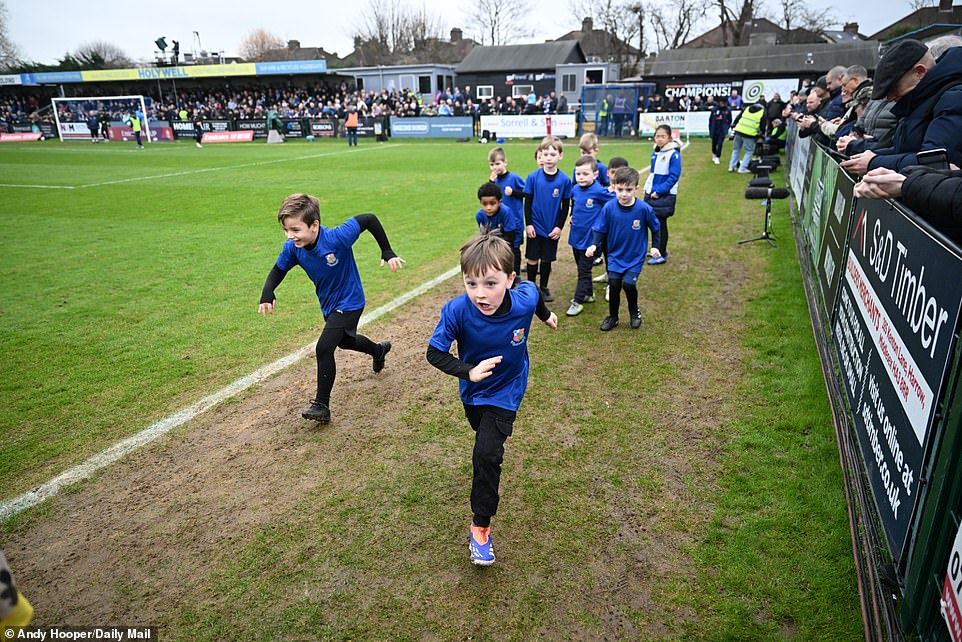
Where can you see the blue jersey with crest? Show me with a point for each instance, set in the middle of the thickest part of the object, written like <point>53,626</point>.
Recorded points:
<point>547,192</point>
<point>586,206</point>
<point>503,220</point>
<point>330,265</point>
<point>627,230</point>
<point>480,336</point>
<point>516,200</point>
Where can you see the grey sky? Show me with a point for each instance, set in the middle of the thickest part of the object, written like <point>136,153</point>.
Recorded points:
<point>45,34</point>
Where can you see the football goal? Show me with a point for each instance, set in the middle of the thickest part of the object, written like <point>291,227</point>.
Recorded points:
<point>112,115</point>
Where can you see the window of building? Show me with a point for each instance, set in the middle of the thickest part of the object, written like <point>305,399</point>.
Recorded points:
<point>424,84</point>
<point>521,90</point>
<point>485,91</point>
<point>568,82</point>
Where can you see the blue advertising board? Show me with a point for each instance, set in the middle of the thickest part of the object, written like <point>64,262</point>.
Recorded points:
<point>437,127</point>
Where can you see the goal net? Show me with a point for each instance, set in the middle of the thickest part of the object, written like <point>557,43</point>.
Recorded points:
<point>109,115</point>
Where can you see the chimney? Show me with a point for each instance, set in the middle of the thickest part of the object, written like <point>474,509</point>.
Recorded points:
<point>587,25</point>
<point>293,45</point>
<point>851,27</point>
<point>457,35</point>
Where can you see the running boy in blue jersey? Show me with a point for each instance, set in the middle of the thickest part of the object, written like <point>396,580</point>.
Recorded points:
<point>623,226</point>
<point>325,254</point>
<point>588,197</point>
<point>490,323</point>
<point>547,200</point>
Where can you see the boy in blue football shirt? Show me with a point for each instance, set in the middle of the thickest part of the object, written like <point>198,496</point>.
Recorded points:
<point>512,187</point>
<point>623,226</point>
<point>490,323</point>
<point>588,144</point>
<point>496,215</point>
<point>547,200</point>
<point>325,254</point>
<point>588,197</point>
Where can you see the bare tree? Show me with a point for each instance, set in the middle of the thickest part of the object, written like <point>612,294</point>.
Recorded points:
<point>499,22</point>
<point>915,5</point>
<point>734,19</point>
<point>258,42</point>
<point>9,52</point>
<point>621,21</point>
<point>101,54</point>
<point>797,14</point>
<point>672,22</point>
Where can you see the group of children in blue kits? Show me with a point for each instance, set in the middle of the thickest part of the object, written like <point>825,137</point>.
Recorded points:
<point>491,321</point>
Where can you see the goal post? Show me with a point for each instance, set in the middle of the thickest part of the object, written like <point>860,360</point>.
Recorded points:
<point>72,114</point>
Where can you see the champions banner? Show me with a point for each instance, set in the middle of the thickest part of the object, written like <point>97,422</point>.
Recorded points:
<point>893,330</point>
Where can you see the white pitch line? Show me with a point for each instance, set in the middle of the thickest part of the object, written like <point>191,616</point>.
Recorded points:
<point>165,425</point>
<point>39,186</point>
<point>200,171</point>
<point>219,169</point>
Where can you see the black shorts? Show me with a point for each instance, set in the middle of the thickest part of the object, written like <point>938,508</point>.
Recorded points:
<point>344,320</point>
<point>541,248</point>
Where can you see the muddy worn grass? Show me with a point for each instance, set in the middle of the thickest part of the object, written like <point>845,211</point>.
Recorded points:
<point>677,482</point>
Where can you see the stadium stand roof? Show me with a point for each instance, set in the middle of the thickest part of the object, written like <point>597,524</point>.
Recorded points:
<point>521,57</point>
<point>808,59</point>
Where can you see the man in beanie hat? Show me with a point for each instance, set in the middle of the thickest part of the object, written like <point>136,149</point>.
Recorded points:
<point>929,106</point>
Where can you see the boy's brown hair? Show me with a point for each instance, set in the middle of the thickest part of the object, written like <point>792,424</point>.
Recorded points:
<point>303,206</point>
<point>625,176</point>
<point>551,141</point>
<point>497,154</point>
<point>588,160</point>
<point>486,251</point>
<point>588,142</point>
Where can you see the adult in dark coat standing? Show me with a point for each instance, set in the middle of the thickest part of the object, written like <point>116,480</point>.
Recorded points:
<point>719,122</point>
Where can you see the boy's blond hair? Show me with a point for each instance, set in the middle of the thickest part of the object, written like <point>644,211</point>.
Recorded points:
<point>588,142</point>
<point>303,206</point>
<point>588,160</point>
<point>486,251</point>
<point>551,141</point>
<point>496,154</point>
<point>625,176</point>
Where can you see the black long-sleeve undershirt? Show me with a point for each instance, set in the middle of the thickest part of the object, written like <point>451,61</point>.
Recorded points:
<point>449,364</point>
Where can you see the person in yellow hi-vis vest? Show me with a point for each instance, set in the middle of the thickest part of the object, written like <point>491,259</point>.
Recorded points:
<point>747,126</point>
<point>15,610</point>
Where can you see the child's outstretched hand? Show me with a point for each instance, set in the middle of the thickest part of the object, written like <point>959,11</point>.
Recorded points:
<point>395,263</point>
<point>552,321</point>
<point>265,308</point>
<point>483,370</point>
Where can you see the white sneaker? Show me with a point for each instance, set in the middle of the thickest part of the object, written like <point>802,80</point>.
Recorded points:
<point>715,160</point>
<point>601,278</point>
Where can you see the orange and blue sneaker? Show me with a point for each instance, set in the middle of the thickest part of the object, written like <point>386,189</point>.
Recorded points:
<point>482,549</point>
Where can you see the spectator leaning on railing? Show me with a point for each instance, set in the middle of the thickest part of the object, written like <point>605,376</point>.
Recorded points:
<point>929,105</point>
<point>934,195</point>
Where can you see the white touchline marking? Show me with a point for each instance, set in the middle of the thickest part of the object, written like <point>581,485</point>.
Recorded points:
<point>39,186</point>
<point>165,425</point>
<point>203,170</point>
